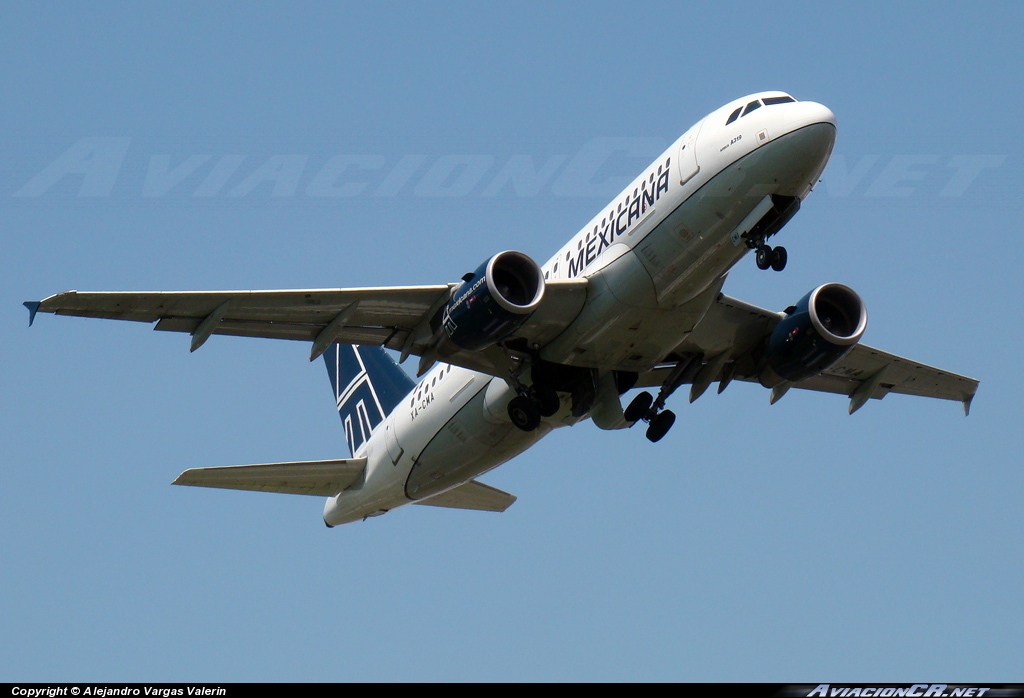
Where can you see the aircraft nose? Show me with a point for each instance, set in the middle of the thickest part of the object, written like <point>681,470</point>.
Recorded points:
<point>800,114</point>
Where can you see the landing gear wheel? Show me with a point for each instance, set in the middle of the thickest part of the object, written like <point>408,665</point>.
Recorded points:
<point>639,407</point>
<point>779,257</point>
<point>523,413</point>
<point>660,425</point>
<point>763,257</point>
<point>546,399</point>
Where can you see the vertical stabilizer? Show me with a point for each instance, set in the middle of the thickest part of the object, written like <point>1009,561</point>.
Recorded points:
<point>367,385</point>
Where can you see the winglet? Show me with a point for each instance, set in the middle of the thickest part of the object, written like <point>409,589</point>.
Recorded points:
<point>967,404</point>
<point>33,308</point>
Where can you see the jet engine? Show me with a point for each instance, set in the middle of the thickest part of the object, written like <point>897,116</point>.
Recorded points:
<point>493,301</point>
<point>815,333</point>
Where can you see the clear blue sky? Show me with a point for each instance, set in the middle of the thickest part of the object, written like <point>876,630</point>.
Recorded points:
<point>790,542</point>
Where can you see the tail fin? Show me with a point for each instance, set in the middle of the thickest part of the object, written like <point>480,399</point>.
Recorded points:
<point>367,385</point>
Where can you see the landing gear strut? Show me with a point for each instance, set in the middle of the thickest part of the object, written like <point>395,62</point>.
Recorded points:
<point>645,407</point>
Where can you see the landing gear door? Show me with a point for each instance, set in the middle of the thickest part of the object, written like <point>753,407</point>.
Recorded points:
<point>687,157</point>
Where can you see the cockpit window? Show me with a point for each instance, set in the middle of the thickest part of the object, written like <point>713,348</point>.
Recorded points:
<point>756,104</point>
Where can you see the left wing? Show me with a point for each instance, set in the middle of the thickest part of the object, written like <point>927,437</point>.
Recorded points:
<point>737,330</point>
<point>401,318</point>
<point>371,315</point>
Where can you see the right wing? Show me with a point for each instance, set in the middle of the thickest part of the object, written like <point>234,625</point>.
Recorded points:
<point>324,478</point>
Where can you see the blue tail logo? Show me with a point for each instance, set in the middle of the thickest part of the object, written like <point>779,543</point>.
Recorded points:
<point>368,385</point>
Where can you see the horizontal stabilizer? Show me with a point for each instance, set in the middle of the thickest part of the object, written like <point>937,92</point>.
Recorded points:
<point>472,495</point>
<point>318,477</point>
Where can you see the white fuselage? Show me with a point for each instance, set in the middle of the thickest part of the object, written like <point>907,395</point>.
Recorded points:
<point>655,258</point>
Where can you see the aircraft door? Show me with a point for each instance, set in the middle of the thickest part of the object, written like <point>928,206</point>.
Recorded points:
<point>688,165</point>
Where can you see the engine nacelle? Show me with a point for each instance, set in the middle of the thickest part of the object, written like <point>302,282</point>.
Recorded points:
<point>822,328</point>
<point>494,301</point>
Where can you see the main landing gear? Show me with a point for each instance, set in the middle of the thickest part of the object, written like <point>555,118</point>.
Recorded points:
<point>659,421</point>
<point>768,257</point>
<point>645,407</point>
<point>533,402</point>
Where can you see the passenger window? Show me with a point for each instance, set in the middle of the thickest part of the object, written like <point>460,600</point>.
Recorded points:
<point>735,115</point>
<point>751,107</point>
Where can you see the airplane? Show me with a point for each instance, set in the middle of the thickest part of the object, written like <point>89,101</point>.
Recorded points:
<point>516,349</point>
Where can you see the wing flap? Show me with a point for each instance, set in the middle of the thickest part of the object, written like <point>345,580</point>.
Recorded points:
<point>322,477</point>
<point>472,495</point>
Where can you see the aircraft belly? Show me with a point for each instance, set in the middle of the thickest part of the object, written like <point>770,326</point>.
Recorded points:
<point>467,446</point>
<point>636,339</point>
<point>617,294</point>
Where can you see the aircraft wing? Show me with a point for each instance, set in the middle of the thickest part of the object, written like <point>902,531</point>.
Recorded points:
<point>739,329</point>
<point>323,478</point>
<point>398,318</point>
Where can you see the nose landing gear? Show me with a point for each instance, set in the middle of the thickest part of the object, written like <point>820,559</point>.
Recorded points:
<point>768,257</point>
<point>781,210</point>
